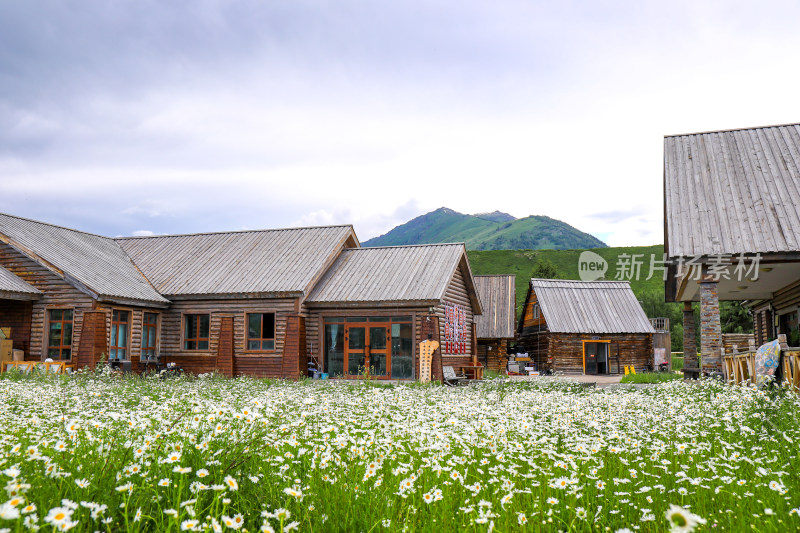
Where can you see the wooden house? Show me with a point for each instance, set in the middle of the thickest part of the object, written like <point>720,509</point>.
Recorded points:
<point>595,327</point>
<point>495,327</point>
<point>732,231</point>
<point>250,302</point>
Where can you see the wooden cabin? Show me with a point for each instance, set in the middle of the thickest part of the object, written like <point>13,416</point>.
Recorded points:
<point>235,302</point>
<point>595,327</point>
<point>732,232</point>
<point>495,327</point>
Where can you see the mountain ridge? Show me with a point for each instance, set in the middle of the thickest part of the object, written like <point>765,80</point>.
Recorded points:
<point>487,231</point>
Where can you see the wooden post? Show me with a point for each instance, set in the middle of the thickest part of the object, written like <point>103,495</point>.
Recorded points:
<point>294,348</point>
<point>94,341</point>
<point>689,343</point>
<point>224,361</point>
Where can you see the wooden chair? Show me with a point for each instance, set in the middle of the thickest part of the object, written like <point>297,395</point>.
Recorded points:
<point>451,378</point>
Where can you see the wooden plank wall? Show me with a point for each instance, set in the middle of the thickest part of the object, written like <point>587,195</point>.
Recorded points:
<point>17,316</point>
<point>456,293</point>
<point>57,294</point>
<point>495,358</point>
<point>566,350</point>
<point>255,364</point>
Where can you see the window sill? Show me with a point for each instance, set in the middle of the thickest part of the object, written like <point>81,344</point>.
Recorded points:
<point>258,354</point>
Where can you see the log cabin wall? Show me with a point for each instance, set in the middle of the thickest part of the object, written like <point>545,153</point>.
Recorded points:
<point>57,294</point>
<point>492,353</point>
<point>259,364</point>
<point>456,293</point>
<point>565,350</point>
<point>533,336</point>
<point>16,314</point>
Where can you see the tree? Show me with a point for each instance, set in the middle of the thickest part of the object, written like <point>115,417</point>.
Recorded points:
<point>544,269</point>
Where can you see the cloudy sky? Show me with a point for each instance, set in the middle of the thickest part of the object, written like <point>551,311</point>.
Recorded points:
<point>130,117</point>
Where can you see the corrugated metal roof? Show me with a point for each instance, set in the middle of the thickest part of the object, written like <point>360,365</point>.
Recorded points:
<point>389,274</point>
<point>11,283</point>
<point>590,307</point>
<point>242,262</point>
<point>97,263</point>
<point>731,192</point>
<point>498,298</point>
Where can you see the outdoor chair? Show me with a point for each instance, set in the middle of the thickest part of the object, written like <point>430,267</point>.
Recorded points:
<point>451,378</point>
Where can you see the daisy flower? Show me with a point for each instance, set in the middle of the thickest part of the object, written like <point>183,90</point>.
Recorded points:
<point>681,520</point>
<point>231,483</point>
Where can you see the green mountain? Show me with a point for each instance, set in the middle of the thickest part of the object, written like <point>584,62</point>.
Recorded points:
<point>488,231</point>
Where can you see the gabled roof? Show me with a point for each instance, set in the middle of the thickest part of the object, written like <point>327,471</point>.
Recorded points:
<point>498,298</point>
<point>590,306</point>
<point>731,192</point>
<point>263,262</point>
<point>394,275</point>
<point>14,287</point>
<point>94,264</point>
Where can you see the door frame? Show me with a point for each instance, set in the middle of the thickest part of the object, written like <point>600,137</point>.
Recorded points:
<point>608,355</point>
<point>387,349</point>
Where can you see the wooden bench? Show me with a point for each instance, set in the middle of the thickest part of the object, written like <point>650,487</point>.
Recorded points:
<point>451,378</point>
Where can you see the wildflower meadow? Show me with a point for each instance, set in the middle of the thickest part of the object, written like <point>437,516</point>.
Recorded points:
<point>97,452</point>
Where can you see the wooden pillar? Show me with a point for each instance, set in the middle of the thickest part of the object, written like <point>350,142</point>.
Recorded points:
<point>710,327</point>
<point>689,343</point>
<point>294,360</point>
<point>94,341</point>
<point>224,363</point>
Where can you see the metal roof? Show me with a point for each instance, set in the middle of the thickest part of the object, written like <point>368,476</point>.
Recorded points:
<point>92,263</point>
<point>280,261</point>
<point>590,306</point>
<point>391,274</point>
<point>498,298</point>
<point>731,192</point>
<point>11,284</point>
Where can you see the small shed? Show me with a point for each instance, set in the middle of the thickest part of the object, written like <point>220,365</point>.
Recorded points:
<point>595,327</point>
<point>495,327</point>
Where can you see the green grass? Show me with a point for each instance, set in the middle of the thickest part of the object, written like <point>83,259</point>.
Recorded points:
<point>142,454</point>
<point>651,377</point>
<point>677,362</point>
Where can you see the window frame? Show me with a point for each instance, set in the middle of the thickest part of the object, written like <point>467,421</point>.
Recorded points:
<point>61,347</point>
<point>261,340</point>
<point>114,324</point>
<point>197,340</point>
<point>145,325</point>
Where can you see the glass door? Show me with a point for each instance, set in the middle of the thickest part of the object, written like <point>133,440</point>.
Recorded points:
<point>355,341</point>
<point>378,355</point>
<point>381,347</point>
<point>590,357</point>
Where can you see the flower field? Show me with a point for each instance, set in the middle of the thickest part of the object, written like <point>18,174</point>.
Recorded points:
<point>94,452</point>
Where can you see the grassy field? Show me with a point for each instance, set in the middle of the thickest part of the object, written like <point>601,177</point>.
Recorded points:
<point>131,454</point>
<point>651,377</point>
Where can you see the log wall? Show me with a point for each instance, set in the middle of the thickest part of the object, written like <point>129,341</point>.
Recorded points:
<point>17,315</point>
<point>492,353</point>
<point>258,364</point>
<point>58,294</point>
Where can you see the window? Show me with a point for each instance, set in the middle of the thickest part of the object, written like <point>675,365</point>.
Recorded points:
<point>149,333</point>
<point>535,310</point>
<point>261,331</point>
<point>59,338</point>
<point>195,332</point>
<point>120,326</point>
